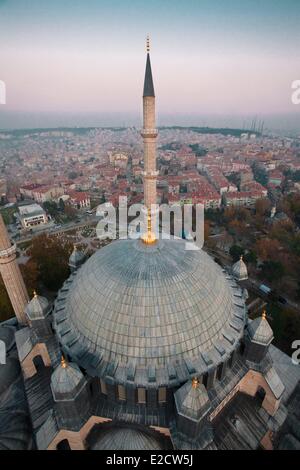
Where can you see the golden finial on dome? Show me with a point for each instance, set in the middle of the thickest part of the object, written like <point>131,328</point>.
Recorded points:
<point>63,362</point>
<point>148,44</point>
<point>195,382</point>
<point>264,315</point>
<point>34,293</point>
<point>149,237</point>
<point>241,257</point>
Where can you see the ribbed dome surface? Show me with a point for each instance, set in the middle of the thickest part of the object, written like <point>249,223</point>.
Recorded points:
<point>149,304</point>
<point>125,439</point>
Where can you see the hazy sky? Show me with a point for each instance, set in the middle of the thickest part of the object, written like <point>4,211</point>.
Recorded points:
<point>208,56</point>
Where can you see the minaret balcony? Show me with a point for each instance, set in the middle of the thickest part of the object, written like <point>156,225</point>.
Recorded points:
<point>150,174</point>
<point>8,252</point>
<point>149,132</point>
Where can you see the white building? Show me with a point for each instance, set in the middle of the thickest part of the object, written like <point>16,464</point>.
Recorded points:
<point>32,215</point>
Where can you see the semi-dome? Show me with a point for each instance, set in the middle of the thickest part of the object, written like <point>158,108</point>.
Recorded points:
<point>140,304</point>
<point>126,438</point>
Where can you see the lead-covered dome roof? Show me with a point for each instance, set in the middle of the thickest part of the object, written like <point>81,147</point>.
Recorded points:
<point>135,304</point>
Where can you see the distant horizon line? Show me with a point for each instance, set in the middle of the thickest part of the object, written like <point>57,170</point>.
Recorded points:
<point>27,120</point>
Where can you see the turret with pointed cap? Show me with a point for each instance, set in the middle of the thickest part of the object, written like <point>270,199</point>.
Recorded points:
<point>69,390</point>
<point>37,312</point>
<point>192,408</point>
<point>259,337</point>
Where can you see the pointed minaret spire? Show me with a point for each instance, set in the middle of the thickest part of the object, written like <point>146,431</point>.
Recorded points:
<point>11,275</point>
<point>149,134</point>
<point>148,82</point>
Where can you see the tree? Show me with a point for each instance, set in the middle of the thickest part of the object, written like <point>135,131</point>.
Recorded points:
<point>30,275</point>
<point>51,256</point>
<point>262,206</point>
<point>72,175</point>
<point>260,173</point>
<point>250,257</point>
<point>235,252</point>
<point>61,204</point>
<point>51,208</point>
<point>273,270</point>
<point>70,212</point>
<point>267,248</point>
<point>6,310</point>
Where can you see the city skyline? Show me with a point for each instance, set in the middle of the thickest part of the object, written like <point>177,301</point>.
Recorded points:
<point>235,60</point>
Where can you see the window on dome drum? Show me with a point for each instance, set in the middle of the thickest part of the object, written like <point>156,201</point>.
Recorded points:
<point>162,395</point>
<point>141,395</point>
<point>121,392</point>
<point>204,380</point>
<point>103,387</point>
<point>230,362</point>
<point>219,371</point>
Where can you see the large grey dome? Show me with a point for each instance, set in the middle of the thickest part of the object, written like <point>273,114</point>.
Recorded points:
<point>141,304</point>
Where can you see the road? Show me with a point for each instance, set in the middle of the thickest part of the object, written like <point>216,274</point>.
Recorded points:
<point>92,220</point>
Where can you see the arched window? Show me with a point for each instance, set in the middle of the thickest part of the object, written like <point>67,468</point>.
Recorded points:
<point>219,371</point>
<point>162,395</point>
<point>260,395</point>
<point>141,395</point>
<point>103,387</point>
<point>230,362</point>
<point>242,348</point>
<point>204,380</point>
<point>38,362</point>
<point>63,445</point>
<point>121,392</point>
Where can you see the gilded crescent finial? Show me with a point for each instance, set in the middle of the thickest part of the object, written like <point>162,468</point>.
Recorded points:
<point>195,382</point>
<point>63,362</point>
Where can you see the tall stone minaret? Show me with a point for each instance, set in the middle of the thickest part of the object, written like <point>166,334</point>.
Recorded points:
<point>149,134</point>
<point>11,275</point>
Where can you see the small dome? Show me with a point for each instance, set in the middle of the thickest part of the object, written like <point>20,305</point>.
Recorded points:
<point>260,331</point>
<point>66,379</point>
<point>125,438</point>
<point>192,400</point>
<point>38,308</point>
<point>76,259</point>
<point>239,270</point>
